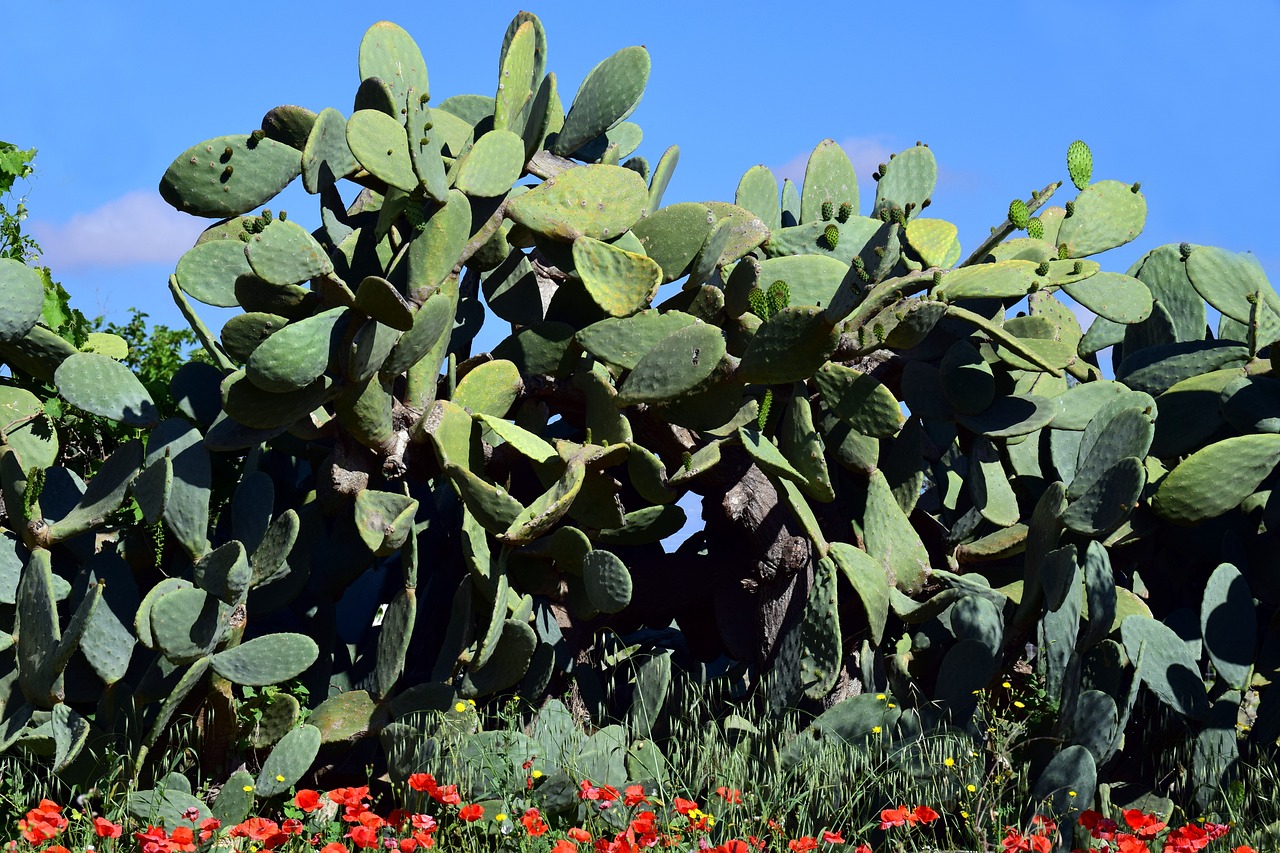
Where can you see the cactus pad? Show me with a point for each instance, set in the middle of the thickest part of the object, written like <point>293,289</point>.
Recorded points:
<point>1079,163</point>
<point>284,253</point>
<point>229,175</point>
<point>22,294</point>
<point>677,365</point>
<point>103,386</point>
<point>595,201</point>
<point>270,659</point>
<point>610,92</point>
<point>607,580</point>
<point>619,281</point>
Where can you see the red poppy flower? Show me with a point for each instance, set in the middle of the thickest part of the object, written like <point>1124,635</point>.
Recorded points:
<point>334,847</point>
<point>733,846</point>
<point>307,800</point>
<point>922,814</point>
<point>829,837</point>
<point>893,817</point>
<point>208,827</point>
<point>182,838</point>
<point>802,844</point>
<point>634,796</point>
<point>1186,839</point>
<point>533,822</point>
<point>473,812</point>
<point>364,837</point>
<point>154,840</point>
<point>423,823</point>
<point>579,834</point>
<point>863,848</point>
<point>564,845</point>
<point>729,795</point>
<point>1102,828</point>
<point>683,806</point>
<point>55,848</point>
<point>106,829</point>
<point>421,781</point>
<point>644,823</point>
<point>407,845</point>
<point>1126,843</point>
<point>255,828</point>
<point>1144,826</point>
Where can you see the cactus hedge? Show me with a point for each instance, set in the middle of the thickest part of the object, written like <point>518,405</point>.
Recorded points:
<point>915,476</point>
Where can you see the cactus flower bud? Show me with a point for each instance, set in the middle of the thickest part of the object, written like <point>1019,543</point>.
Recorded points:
<point>1184,249</point>
<point>846,210</point>
<point>832,237</point>
<point>1035,228</point>
<point>1079,163</point>
<point>1043,269</point>
<point>828,210</point>
<point>1018,214</point>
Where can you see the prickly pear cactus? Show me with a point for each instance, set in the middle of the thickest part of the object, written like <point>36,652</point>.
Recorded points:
<point>914,467</point>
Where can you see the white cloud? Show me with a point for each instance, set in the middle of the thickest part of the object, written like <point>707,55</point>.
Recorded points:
<point>865,152</point>
<point>138,227</point>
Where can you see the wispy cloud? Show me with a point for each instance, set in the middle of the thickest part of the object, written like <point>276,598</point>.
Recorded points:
<point>138,227</point>
<point>865,152</point>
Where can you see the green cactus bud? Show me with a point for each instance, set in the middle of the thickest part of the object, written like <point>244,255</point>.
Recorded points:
<point>779,297</point>
<point>765,404</point>
<point>284,215</point>
<point>226,173</point>
<point>1071,210</point>
<point>1062,252</point>
<point>227,152</point>
<point>1043,269</point>
<point>861,269</point>
<point>1184,249</point>
<point>875,176</point>
<point>846,210</point>
<point>927,201</point>
<point>244,236</point>
<point>900,217</point>
<point>884,167</point>
<point>911,205</point>
<point>1077,268</point>
<point>1018,214</point>
<point>759,303</point>
<point>424,99</point>
<point>35,485</point>
<point>878,331</point>
<point>687,457</point>
<point>1079,163</point>
<point>1137,185</point>
<point>828,210</point>
<point>879,250</point>
<point>937,278</point>
<point>256,137</point>
<point>831,236</point>
<point>1035,229</point>
<point>266,216</point>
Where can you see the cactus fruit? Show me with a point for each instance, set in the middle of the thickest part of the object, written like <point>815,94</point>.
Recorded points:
<point>1018,213</point>
<point>831,236</point>
<point>828,210</point>
<point>1079,164</point>
<point>1035,229</point>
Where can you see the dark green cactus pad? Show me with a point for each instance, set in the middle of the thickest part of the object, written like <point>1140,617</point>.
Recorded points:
<point>393,640</point>
<point>802,445</point>
<point>27,430</point>
<point>674,236</point>
<point>1012,416</point>
<point>909,179</point>
<point>821,652</point>
<point>1163,271</point>
<point>186,511</point>
<point>430,323</point>
<point>518,75</point>
<point>22,294</point>
<point>290,124</point>
<point>508,664</point>
<point>936,241</point>
<point>233,802</point>
<point>869,581</point>
<point>610,92</point>
<point>1003,280</point>
<point>1095,724</point>
<point>1231,282</point>
<point>967,379</point>
<point>763,453</point>
<point>274,717</point>
<point>326,156</point>
<point>224,572</point>
<point>1108,500</point>
<point>471,109</point>
<point>244,332</point>
<point>790,346</point>
<point>104,494</point>
<point>1071,772</point>
<point>1215,479</point>
<point>103,386</point>
<point>257,409</point>
<point>368,350</point>
<point>859,400</point>
<point>1106,215</point>
<point>977,618</point>
<point>108,642</point>
<point>384,520</point>
<point>677,365</point>
<point>165,806</point>
<point>208,271</point>
<point>812,279</point>
<point>1165,665</point>
<point>270,659</point>
<point>622,342</point>
<point>608,581</point>
<point>541,515</point>
<point>966,669</point>
<point>346,716</point>
<point>284,253</point>
<point>989,485</point>
<point>295,356</point>
<point>379,142</point>
<point>187,624</point>
<point>38,352</point>
<point>493,507</point>
<point>891,539</point>
<point>382,301</point>
<point>1116,431</point>
<point>1119,298</point>
<point>288,762</point>
<point>491,166</point>
<point>1229,625</point>
<point>619,281</point>
<point>828,178</point>
<point>758,193</point>
<point>268,559</point>
<point>1249,403</point>
<point>490,388</point>
<point>1157,369</point>
<point>645,526</point>
<point>37,615</point>
<point>1074,409</point>
<point>229,175</point>
<point>522,440</point>
<point>70,732</point>
<point>1100,595</point>
<point>142,619</point>
<point>390,54</point>
<point>596,201</point>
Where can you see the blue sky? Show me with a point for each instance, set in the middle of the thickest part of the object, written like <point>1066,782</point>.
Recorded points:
<point>1175,95</point>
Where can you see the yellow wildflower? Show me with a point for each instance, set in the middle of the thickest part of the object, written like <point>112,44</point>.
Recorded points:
<point>461,707</point>
<point>499,817</point>
<point>949,761</point>
<point>279,778</point>
<point>971,788</point>
<point>537,774</point>
<point>1019,705</point>
<point>875,730</point>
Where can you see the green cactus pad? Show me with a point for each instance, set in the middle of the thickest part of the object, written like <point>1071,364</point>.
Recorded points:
<point>1108,500</point>
<point>758,193</point>
<point>142,618</point>
<point>345,716</point>
<point>801,444</point>
<point>384,520</point>
<point>595,201</point>
<point>22,294</point>
<point>233,803</point>
<point>257,409</point>
<point>326,156</point>
<point>1067,784</point>
<point>1157,369</point>
<point>661,178</point>
<point>108,642</point>
<point>38,352</point>
<point>527,443</point>
<point>208,271</point>
<point>967,380</point>
<point>284,253</point>
<point>1079,163</point>
<point>859,400</point>
<point>1165,666</point>
<point>674,236</point>
<point>622,342</point>
<point>1106,215</point>
<point>382,301</point>
<point>270,659</point>
<point>869,581</point>
<point>620,282</point>
<point>507,665</point>
<point>1003,280</point>
<point>1229,281</point>
<point>295,356</point>
<point>26,428</point>
<point>493,507</point>
<point>813,279</point>
<point>390,54</point>
<point>393,640</point>
<point>1215,479</point>
<point>102,386</point>
<point>290,124</point>
<point>936,241</point>
<point>37,613</point>
<point>206,180</point>
<point>1011,416</point>
<point>379,142</point>
<point>1250,404</point>
<point>610,92</point>
<point>275,546</point>
<point>1228,625</point>
<point>490,388</point>
<point>766,455</point>
<point>1117,431</point>
<point>244,332</point>
<point>989,485</point>
<point>891,539</point>
<point>789,346</point>
<point>186,511</point>
<point>541,515</point>
<point>910,179</point>
<point>518,76</point>
<point>677,365</point>
<point>288,762</point>
<point>821,652</point>
<point>428,131</point>
<point>105,493</point>
<point>608,581</point>
<point>1163,271</point>
<point>491,166</point>
<point>829,179</point>
<point>224,572</point>
<point>430,323</point>
<point>187,624</point>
